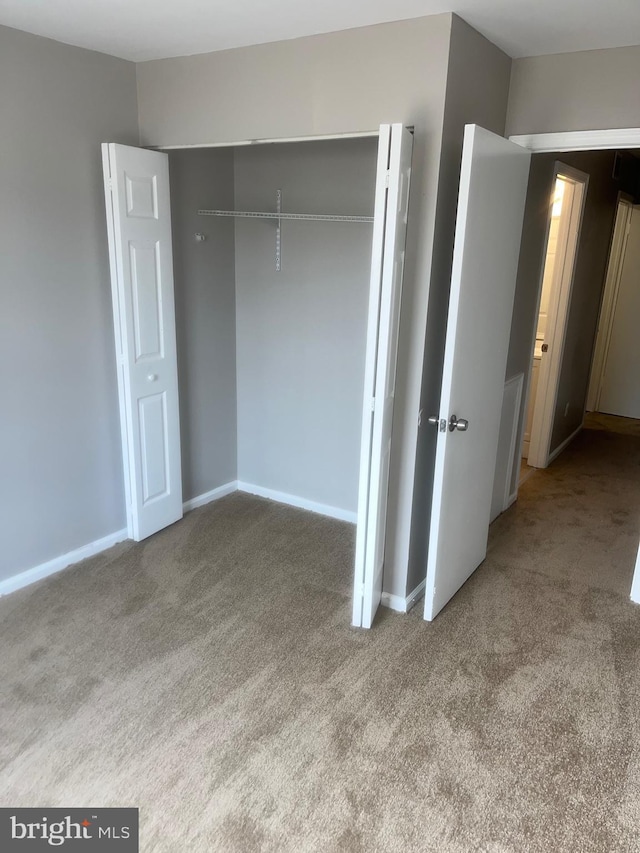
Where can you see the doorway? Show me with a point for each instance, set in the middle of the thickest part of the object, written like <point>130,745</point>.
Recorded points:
<point>614,388</point>
<point>139,213</point>
<point>620,215</point>
<point>565,223</point>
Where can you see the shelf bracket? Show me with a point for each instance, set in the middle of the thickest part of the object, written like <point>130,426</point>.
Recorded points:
<point>278,231</point>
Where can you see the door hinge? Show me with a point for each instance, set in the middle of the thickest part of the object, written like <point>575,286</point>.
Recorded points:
<point>373,404</point>
<point>387,179</point>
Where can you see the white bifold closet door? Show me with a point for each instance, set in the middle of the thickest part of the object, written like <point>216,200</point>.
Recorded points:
<point>140,255</point>
<point>138,215</point>
<point>387,266</point>
<point>493,190</point>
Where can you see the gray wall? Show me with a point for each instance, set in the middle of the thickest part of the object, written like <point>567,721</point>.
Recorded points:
<point>477,90</point>
<point>301,332</point>
<point>205,317</point>
<point>61,482</point>
<point>345,81</point>
<point>587,90</point>
<point>592,259</point>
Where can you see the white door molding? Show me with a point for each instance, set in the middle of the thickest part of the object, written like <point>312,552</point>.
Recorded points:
<point>579,140</point>
<point>364,134</point>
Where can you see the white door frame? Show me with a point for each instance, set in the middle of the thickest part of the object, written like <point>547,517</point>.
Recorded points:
<point>234,144</point>
<point>586,140</point>
<point>560,302</point>
<point>271,140</point>
<point>579,140</point>
<point>621,230</point>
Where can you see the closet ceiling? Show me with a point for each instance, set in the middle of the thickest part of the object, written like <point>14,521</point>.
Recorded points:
<point>152,29</point>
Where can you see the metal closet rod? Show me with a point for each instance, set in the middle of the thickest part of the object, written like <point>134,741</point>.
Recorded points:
<point>317,217</point>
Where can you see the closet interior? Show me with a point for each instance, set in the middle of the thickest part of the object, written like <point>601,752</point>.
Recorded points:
<point>271,317</point>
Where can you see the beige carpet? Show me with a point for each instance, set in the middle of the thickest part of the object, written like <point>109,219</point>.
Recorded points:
<point>210,677</point>
<point>612,423</point>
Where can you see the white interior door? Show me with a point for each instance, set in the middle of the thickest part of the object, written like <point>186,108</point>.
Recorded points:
<point>621,230</point>
<point>560,288</point>
<point>493,188</point>
<point>620,391</point>
<point>387,267</point>
<point>139,226</point>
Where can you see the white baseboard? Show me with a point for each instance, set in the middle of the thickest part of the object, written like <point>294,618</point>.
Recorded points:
<point>58,563</point>
<point>401,604</point>
<point>301,503</point>
<point>44,570</point>
<point>564,444</point>
<point>213,495</point>
<point>635,586</point>
<point>511,499</point>
<point>51,567</point>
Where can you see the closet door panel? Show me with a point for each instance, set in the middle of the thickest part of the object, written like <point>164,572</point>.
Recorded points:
<point>387,269</point>
<point>139,225</point>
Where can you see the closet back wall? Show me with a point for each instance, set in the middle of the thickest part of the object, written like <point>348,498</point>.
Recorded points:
<point>301,332</point>
<point>205,317</point>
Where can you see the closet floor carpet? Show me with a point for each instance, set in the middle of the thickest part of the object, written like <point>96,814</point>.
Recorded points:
<point>209,676</point>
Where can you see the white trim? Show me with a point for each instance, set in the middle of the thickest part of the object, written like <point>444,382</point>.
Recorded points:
<point>514,496</point>
<point>51,567</point>
<point>635,586</point>
<point>402,604</point>
<point>579,140</point>
<point>267,141</point>
<point>394,602</point>
<point>213,495</point>
<point>118,333</point>
<point>510,497</point>
<point>300,503</point>
<point>58,563</point>
<point>564,444</point>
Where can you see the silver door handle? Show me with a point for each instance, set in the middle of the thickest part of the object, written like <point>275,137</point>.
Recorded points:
<point>458,423</point>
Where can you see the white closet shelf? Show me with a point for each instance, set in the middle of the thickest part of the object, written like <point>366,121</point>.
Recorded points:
<point>316,217</point>
<point>278,216</point>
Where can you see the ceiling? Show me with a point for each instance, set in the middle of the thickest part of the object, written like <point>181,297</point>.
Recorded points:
<point>151,29</point>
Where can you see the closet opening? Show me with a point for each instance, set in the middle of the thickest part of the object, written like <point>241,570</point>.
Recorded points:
<point>267,366</point>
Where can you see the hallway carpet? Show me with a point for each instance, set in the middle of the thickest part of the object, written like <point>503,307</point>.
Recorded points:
<point>210,677</point>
